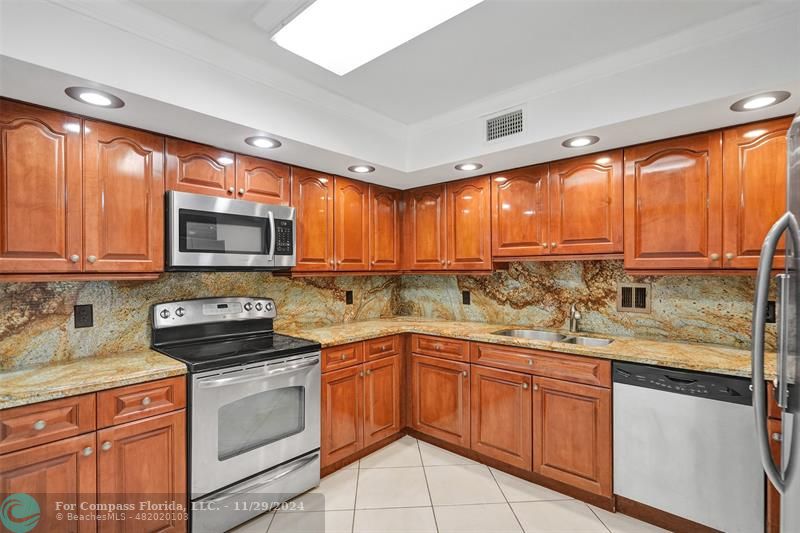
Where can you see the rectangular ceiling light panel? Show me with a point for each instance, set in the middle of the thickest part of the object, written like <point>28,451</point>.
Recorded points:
<point>342,35</point>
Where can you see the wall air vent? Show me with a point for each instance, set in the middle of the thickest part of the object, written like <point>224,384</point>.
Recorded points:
<point>633,297</point>
<point>509,123</point>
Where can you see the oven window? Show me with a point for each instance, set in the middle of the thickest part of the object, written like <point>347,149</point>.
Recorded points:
<point>260,419</point>
<point>201,231</point>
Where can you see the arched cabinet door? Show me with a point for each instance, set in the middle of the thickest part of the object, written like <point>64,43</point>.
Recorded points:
<point>520,212</point>
<point>263,181</point>
<point>199,169</point>
<point>312,196</point>
<point>123,192</point>
<point>673,203</point>
<point>384,212</point>
<point>425,232</point>
<point>40,190</point>
<point>469,243</point>
<point>351,224</point>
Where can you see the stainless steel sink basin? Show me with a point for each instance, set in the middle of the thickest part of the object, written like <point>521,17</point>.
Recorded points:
<point>534,334</point>
<point>589,341</point>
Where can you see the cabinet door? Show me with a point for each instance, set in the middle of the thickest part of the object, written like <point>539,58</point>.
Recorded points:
<point>440,398</point>
<point>312,196</point>
<point>586,204</point>
<point>381,398</point>
<point>673,203</point>
<point>754,183</point>
<point>123,193</point>
<point>519,212</point>
<point>572,434</point>
<point>469,239</point>
<point>199,169</point>
<point>342,414</point>
<point>351,241</point>
<point>424,223</point>
<point>384,212</point>
<point>501,415</point>
<point>40,190</point>
<point>263,181</point>
<point>140,460</point>
<point>62,471</point>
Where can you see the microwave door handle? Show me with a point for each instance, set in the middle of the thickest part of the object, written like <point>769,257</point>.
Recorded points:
<point>272,237</point>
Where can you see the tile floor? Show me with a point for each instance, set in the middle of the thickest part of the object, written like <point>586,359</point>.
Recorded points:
<point>411,486</point>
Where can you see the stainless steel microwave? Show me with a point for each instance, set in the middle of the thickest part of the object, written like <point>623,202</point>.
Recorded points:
<point>212,233</point>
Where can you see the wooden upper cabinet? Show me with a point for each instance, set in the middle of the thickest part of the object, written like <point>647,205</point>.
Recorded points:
<point>754,176</point>
<point>673,203</point>
<point>199,169</point>
<point>520,212</point>
<point>440,400</point>
<point>40,190</point>
<point>263,181</point>
<point>384,212</point>
<point>425,227</point>
<point>351,224</point>
<point>312,196</point>
<point>123,193</point>
<point>468,206</point>
<point>586,204</point>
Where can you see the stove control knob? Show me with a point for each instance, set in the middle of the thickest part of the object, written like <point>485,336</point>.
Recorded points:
<point>180,311</point>
<point>268,306</point>
<point>164,313</point>
<point>259,306</point>
<point>248,306</point>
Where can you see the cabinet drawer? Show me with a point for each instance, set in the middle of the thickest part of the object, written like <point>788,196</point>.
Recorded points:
<point>501,356</point>
<point>381,347</point>
<point>342,356</point>
<point>440,347</point>
<point>573,368</point>
<point>29,425</point>
<point>125,404</point>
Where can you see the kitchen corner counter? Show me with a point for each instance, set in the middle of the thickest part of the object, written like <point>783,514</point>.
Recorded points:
<point>80,376</point>
<point>681,355</point>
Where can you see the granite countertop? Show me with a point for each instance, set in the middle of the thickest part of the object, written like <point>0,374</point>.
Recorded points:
<point>682,355</point>
<point>87,374</point>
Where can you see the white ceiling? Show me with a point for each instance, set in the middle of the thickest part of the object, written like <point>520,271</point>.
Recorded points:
<point>490,48</point>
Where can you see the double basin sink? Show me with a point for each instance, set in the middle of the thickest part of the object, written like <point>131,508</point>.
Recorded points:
<point>539,335</point>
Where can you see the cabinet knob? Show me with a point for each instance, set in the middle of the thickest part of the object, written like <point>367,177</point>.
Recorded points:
<point>39,425</point>
<point>535,386</point>
<point>530,362</point>
<point>361,374</point>
<point>369,372</point>
<point>344,356</point>
<point>553,244</point>
<point>106,446</point>
<point>74,258</point>
<point>87,451</point>
<point>464,373</point>
<point>241,192</point>
<point>437,347</point>
<point>146,400</point>
<point>777,437</point>
<point>729,256</point>
<point>230,190</point>
<point>91,258</point>
<point>525,386</point>
<point>714,257</point>
<point>331,262</point>
<point>442,262</point>
<point>544,245</point>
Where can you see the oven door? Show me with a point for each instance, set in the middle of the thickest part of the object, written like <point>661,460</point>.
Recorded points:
<point>247,419</point>
<point>210,233</point>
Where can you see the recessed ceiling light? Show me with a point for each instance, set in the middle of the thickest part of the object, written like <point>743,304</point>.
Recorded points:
<point>581,141</point>
<point>361,169</point>
<point>263,142</point>
<point>467,167</point>
<point>342,35</point>
<point>224,160</point>
<point>758,101</point>
<point>94,97</point>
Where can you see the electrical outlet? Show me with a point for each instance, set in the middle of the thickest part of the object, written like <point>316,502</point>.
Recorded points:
<point>771,314</point>
<point>465,297</point>
<point>84,316</point>
<point>348,297</point>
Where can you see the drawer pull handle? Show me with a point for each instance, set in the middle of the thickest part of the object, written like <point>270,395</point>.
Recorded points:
<point>464,373</point>
<point>87,451</point>
<point>344,356</point>
<point>106,446</point>
<point>525,386</point>
<point>146,401</point>
<point>437,347</point>
<point>530,362</point>
<point>39,425</point>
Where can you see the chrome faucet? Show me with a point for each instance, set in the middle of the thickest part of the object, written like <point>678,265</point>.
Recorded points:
<point>574,317</point>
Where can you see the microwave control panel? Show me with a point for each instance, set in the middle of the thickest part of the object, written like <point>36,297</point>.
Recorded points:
<point>284,237</point>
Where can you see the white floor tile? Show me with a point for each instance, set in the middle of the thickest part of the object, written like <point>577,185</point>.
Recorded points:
<point>391,487</point>
<point>620,523</point>
<point>557,517</point>
<point>435,456</point>
<point>486,518</point>
<point>257,525</point>
<point>405,520</point>
<point>313,522</point>
<point>351,466</point>
<point>520,490</point>
<point>462,484</point>
<point>338,492</point>
<point>402,452</point>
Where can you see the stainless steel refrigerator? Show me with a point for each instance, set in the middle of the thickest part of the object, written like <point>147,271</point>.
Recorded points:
<point>785,475</point>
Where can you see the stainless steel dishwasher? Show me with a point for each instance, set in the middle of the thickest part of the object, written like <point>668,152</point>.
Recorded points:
<point>684,443</point>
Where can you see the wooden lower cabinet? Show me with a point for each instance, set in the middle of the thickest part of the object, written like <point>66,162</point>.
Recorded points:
<point>572,434</point>
<point>440,398</point>
<point>342,428</point>
<point>501,415</point>
<point>143,461</point>
<point>382,398</point>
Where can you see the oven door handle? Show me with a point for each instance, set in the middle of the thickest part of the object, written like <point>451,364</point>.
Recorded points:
<point>259,374</point>
<point>258,483</point>
<point>272,237</point>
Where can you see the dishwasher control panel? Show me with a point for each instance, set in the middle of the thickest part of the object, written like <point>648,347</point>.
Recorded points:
<point>699,384</point>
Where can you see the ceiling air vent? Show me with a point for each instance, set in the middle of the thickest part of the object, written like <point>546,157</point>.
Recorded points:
<point>633,297</point>
<point>504,125</point>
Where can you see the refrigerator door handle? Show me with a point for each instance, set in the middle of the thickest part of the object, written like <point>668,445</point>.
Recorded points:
<point>786,223</point>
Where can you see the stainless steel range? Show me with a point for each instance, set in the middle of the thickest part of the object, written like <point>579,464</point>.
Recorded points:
<point>254,429</point>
